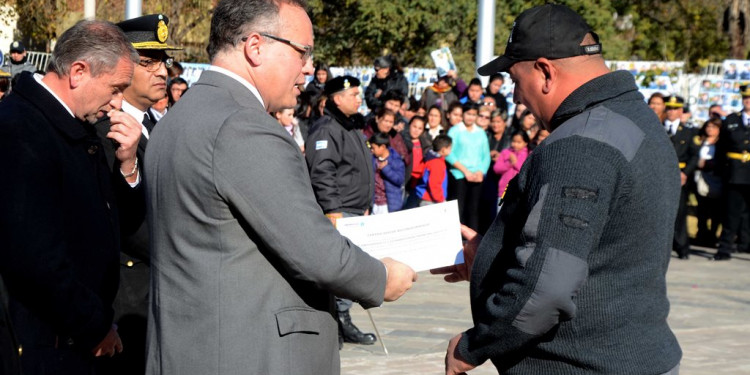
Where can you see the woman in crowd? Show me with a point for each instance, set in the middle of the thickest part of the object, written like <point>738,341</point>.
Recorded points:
<point>417,142</point>
<point>435,122</point>
<point>527,123</point>
<point>483,117</point>
<point>285,117</point>
<point>177,88</point>
<point>516,119</point>
<point>511,159</point>
<point>499,137</point>
<point>383,123</point>
<point>388,76</point>
<point>454,115</point>
<point>656,103</point>
<point>320,77</point>
<point>468,161</point>
<point>708,185</point>
<point>493,90</point>
<point>540,136</point>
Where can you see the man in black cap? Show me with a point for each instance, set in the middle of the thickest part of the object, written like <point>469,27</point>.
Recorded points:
<point>18,61</point>
<point>570,278</point>
<point>388,77</point>
<point>733,161</point>
<point>148,35</point>
<point>686,144</point>
<point>341,173</point>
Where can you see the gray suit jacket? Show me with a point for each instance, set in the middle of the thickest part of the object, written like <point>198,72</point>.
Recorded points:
<point>244,263</point>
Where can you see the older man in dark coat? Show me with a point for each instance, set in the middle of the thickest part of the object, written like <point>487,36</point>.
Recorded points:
<point>60,213</point>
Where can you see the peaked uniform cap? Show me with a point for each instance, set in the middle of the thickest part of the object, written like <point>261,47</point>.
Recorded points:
<point>148,32</point>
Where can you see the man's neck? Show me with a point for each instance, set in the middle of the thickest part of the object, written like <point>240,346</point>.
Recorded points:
<point>135,103</point>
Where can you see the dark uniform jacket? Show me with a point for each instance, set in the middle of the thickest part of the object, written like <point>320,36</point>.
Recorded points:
<point>734,138</point>
<point>687,145</point>
<point>394,81</point>
<point>558,280</point>
<point>60,222</point>
<point>339,162</point>
<point>134,255</point>
<point>9,361</point>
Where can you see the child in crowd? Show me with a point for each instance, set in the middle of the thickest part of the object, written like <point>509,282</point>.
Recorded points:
<point>433,186</point>
<point>511,159</point>
<point>285,117</point>
<point>389,175</point>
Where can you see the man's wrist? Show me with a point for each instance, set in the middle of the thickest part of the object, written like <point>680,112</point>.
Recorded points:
<point>132,172</point>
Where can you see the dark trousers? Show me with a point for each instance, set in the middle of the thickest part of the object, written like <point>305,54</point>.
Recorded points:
<point>680,242</point>
<point>468,195</point>
<point>737,201</point>
<point>709,215</point>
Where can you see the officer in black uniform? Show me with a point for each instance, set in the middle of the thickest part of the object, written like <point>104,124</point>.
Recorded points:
<point>687,145</point>
<point>733,160</point>
<point>341,173</point>
<point>148,35</point>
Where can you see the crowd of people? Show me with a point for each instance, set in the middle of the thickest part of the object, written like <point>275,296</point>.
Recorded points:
<point>714,169</point>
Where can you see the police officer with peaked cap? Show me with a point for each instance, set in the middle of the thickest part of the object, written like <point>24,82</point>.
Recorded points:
<point>341,173</point>
<point>733,161</point>
<point>687,145</point>
<point>148,35</point>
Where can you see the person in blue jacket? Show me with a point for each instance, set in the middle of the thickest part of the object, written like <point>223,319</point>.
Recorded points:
<point>389,175</point>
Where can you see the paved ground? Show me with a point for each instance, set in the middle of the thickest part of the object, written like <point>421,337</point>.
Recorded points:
<point>710,315</point>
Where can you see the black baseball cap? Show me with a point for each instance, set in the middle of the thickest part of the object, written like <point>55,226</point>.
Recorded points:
<point>17,46</point>
<point>552,31</point>
<point>340,84</point>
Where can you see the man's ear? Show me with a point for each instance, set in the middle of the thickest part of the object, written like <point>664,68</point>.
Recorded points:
<point>252,47</point>
<point>547,72</point>
<point>79,72</point>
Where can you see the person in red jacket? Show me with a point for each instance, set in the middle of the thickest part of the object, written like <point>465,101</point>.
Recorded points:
<point>433,187</point>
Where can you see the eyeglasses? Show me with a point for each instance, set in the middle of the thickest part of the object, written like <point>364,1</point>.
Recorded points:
<point>485,117</point>
<point>153,65</point>
<point>305,50</point>
<point>488,103</point>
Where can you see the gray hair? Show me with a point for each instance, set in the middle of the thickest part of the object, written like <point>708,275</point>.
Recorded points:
<point>101,44</point>
<point>234,19</point>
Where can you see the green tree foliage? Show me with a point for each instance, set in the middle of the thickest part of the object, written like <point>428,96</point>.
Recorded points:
<point>351,32</point>
<point>354,32</point>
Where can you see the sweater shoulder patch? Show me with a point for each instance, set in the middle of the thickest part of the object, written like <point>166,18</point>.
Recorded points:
<point>603,125</point>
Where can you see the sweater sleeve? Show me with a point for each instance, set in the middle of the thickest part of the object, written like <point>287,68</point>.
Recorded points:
<point>502,164</point>
<point>568,195</point>
<point>437,174</point>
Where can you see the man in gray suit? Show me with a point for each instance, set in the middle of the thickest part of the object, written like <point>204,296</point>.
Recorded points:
<point>244,263</point>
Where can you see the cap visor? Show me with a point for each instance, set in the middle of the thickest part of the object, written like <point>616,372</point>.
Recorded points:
<point>500,64</point>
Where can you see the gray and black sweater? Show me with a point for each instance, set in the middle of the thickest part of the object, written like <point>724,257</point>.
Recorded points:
<point>570,279</point>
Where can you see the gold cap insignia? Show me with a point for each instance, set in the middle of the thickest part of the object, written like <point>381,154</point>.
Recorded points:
<point>162,32</point>
<point>347,84</point>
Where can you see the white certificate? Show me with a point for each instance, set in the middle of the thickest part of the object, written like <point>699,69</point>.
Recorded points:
<point>424,238</point>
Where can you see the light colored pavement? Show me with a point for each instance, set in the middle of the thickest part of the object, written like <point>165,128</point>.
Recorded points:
<point>710,315</point>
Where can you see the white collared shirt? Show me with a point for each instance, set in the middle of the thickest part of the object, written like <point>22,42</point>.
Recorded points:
<point>137,114</point>
<point>38,78</point>
<point>671,126</point>
<point>239,79</point>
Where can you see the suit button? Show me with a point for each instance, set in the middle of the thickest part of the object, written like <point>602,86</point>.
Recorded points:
<point>70,342</point>
<point>93,149</point>
<point>20,350</point>
<point>130,264</point>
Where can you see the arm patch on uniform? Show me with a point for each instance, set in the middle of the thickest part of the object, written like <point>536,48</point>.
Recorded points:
<point>574,222</point>
<point>321,145</point>
<point>580,193</point>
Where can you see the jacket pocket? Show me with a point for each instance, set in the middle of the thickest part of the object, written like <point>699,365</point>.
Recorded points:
<point>300,320</point>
